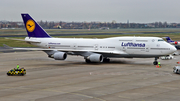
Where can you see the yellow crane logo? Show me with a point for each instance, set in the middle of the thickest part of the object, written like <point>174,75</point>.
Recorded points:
<point>30,25</point>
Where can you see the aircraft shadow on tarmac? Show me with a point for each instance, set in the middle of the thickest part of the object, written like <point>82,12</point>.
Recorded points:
<point>70,63</point>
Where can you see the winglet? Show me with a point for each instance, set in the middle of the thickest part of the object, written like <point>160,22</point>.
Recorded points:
<point>33,29</point>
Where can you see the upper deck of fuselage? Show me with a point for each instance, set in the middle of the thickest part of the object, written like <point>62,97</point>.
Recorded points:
<point>120,39</point>
<point>133,37</point>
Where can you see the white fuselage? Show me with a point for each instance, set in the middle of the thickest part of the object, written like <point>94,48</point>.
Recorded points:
<point>139,47</point>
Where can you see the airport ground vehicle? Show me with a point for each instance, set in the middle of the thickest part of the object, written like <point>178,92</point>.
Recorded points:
<point>19,72</point>
<point>167,57</point>
<point>176,69</point>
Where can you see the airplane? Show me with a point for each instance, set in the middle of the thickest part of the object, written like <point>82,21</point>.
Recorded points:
<point>175,43</point>
<point>171,41</point>
<point>94,50</point>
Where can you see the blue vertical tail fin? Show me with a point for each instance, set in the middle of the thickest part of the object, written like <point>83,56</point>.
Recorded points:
<point>169,39</point>
<point>33,28</point>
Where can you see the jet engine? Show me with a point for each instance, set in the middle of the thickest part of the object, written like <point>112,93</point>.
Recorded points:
<point>60,56</point>
<point>95,58</point>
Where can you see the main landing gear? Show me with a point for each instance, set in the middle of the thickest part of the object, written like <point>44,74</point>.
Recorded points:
<point>88,61</point>
<point>155,61</point>
<point>106,60</point>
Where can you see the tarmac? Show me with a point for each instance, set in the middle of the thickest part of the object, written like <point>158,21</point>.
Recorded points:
<point>73,80</point>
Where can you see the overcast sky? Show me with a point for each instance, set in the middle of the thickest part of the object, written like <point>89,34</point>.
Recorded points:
<point>139,11</point>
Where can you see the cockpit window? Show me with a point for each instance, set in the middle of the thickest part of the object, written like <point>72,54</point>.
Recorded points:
<point>160,40</point>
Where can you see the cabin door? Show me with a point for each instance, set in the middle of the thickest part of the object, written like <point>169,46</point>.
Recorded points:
<point>74,46</point>
<point>96,47</point>
<point>147,48</point>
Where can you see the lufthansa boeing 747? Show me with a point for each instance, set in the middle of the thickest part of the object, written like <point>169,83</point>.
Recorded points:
<point>94,50</point>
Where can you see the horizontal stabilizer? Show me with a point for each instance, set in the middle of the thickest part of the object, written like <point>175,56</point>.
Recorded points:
<point>26,40</point>
<point>15,39</point>
<point>33,41</point>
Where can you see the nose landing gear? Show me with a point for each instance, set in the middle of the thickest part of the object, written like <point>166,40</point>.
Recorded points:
<point>155,61</point>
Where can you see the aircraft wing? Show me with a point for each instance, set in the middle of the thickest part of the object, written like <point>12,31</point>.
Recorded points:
<point>74,52</point>
<point>7,47</point>
<point>33,49</point>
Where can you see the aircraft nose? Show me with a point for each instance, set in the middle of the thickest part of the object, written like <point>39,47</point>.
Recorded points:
<point>173,49</point>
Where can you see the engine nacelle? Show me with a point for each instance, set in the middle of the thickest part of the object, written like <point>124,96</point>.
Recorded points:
<point>60,56</point>
<point>96,58</point>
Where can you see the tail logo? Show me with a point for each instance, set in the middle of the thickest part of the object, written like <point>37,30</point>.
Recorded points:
<point>30,25</point>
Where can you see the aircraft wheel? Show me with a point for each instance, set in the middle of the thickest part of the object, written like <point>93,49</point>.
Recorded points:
<point>105,60</point>
<point>88,61</point>
<point>155,62</point>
